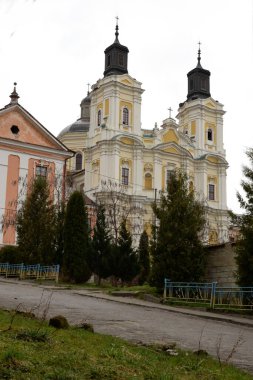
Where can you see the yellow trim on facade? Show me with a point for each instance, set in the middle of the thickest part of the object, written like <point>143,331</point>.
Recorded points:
<point>107,108</point>
<point>100,106</point>
<point>193,128</point>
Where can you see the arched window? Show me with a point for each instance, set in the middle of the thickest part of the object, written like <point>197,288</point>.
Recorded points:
<point>191,188</point>
<point>148,181</point>
<point>79,161</point>
<point>99,117</point>
<point>210,135</point>
<point>125,116</point>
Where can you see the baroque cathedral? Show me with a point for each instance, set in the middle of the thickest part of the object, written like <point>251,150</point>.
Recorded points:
<point>112,148</point>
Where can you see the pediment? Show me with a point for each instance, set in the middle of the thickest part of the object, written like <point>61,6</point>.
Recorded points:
<point>127,140</point>
<point>212,159</point>
<point>171,149</point>
<point>210,103</point>
<point>18,125</point>
<point>127,82</point>
<point>170,136</point>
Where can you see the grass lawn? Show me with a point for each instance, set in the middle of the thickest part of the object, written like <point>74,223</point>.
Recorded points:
<point>31,350</point>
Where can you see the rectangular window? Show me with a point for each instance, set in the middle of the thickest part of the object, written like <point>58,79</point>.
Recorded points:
<point>41,171</point>
<point>169,174</point>
<point>211,194</point>
<point>125,176</point>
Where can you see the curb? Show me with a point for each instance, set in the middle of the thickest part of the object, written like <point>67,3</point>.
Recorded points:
<point>199,314</point>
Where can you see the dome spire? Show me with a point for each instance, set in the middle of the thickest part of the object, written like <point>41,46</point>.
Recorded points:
<point>14,95</point>
<point>88,91</point>
<point>199,56</point>
<point>117,30</point>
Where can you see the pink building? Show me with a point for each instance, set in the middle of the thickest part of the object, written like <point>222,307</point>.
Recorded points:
<point>27,149</point>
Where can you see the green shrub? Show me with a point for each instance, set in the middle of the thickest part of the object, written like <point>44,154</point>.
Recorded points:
<point>10,254</point>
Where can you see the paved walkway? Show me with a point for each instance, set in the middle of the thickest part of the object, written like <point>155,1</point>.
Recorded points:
<point>137,320</point>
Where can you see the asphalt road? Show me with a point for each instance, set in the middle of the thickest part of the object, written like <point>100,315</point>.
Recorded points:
<point>136,323</point>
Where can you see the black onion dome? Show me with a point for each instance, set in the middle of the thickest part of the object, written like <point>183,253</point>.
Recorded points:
<point>116,57</point>
<point>198,82</point>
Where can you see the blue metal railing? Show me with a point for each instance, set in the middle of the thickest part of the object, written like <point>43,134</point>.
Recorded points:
<point>209,294</point>
<point>50,272</point>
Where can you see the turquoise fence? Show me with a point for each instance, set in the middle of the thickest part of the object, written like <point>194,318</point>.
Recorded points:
<point>38,272</point>
<point>209,295</point>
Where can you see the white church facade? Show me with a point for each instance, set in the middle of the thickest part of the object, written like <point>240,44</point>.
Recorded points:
<point>112,147</point>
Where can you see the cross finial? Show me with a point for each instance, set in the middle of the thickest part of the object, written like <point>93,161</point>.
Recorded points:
<point>199,57</point>
<point>170,110</point>
<point>88,84</point>
<point>117,30</point>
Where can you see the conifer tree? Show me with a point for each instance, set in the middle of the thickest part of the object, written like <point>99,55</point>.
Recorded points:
<point>144,261</point>
<point>124,259</point>
<point>101,247</point>
<point>177,251</point>
<point>59,233</point>
<point>36,225</point>
<point>244,246</point>
<point>76,240</point>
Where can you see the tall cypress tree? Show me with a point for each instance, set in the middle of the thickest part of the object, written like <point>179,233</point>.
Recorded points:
<point>76,240</point>
<point>144,261</point>
<point>177,251</point>
<point>244,245</point>
<point>101,247</point>
<point>36,224</point>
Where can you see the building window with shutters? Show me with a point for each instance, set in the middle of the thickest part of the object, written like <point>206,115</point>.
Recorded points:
<point>125,176</point>
<point>79,161</point>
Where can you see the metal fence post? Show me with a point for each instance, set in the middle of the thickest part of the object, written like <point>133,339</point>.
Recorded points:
<point>213,295</point>
<point>165,289</point>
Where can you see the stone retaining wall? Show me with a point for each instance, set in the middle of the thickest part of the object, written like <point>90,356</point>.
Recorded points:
<point>221,265</point>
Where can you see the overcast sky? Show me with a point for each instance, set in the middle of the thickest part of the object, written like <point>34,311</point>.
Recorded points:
<point>53,48</point>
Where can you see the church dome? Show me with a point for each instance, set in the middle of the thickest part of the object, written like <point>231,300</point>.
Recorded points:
<point>82,124</point>
<point>79,125</point>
